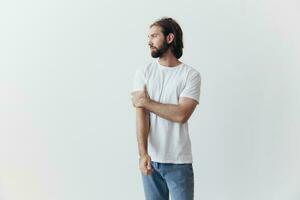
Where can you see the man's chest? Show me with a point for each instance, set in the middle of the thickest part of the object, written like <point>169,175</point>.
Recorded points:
<point>165,87</point>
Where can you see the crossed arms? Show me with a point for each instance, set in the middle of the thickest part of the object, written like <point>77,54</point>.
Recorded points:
<point>179,113</point>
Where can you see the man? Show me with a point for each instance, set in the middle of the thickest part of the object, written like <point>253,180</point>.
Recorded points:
<point>165,95</point>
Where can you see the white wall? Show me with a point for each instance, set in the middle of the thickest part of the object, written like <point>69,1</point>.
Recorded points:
<point>67,126</point>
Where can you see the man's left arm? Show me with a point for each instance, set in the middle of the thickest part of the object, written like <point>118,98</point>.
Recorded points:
<point>180,112</point>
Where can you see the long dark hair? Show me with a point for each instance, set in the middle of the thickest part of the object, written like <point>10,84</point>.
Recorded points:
<point>169,25</point>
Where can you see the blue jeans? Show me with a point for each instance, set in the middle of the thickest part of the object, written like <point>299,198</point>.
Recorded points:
<point>176,179</point>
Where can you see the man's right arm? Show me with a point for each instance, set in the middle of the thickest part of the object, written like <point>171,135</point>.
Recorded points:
<point>142,130</point>
<point>142,133</point>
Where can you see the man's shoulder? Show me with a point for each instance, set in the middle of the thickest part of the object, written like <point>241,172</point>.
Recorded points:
<point>145,67</point>
<point>191,70</point>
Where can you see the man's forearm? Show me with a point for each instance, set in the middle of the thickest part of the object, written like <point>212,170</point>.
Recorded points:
<point>142,130</point>
<point>172,112</point>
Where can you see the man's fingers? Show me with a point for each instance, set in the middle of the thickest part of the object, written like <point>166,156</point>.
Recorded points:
<point>145,166</point>
<point>145,87</point>
<point>149,167</point>
<point>146,91</point>
<point>149,171</point>
<point>148,164</point>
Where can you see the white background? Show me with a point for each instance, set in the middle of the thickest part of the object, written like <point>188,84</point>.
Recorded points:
<point>67,126</point>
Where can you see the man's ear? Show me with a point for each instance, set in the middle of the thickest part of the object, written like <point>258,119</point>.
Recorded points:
<point>170,38</point>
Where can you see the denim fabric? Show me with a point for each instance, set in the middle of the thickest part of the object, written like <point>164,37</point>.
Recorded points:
<point>167,178</point>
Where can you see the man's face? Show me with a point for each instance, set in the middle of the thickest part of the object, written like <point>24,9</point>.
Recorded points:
<point>157,42</point>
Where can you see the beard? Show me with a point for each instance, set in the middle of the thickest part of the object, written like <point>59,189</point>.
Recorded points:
<point>160,51</point>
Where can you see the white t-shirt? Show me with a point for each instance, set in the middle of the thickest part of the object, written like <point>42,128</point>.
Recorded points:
<point>168,141</point>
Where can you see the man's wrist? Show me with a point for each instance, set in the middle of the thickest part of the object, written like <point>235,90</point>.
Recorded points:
<point>143,155</point>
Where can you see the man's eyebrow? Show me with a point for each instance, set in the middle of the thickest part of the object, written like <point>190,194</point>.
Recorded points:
<point>153,34</point>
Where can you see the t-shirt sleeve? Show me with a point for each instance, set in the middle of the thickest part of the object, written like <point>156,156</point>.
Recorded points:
<point>192,86</point>
<point>139,80</point>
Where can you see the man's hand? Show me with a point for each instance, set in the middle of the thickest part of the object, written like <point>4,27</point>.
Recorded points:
<point>140,98</point>
<point>145,164</point>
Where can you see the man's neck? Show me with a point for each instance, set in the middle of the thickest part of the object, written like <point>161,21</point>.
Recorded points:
<point>168,60</point>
